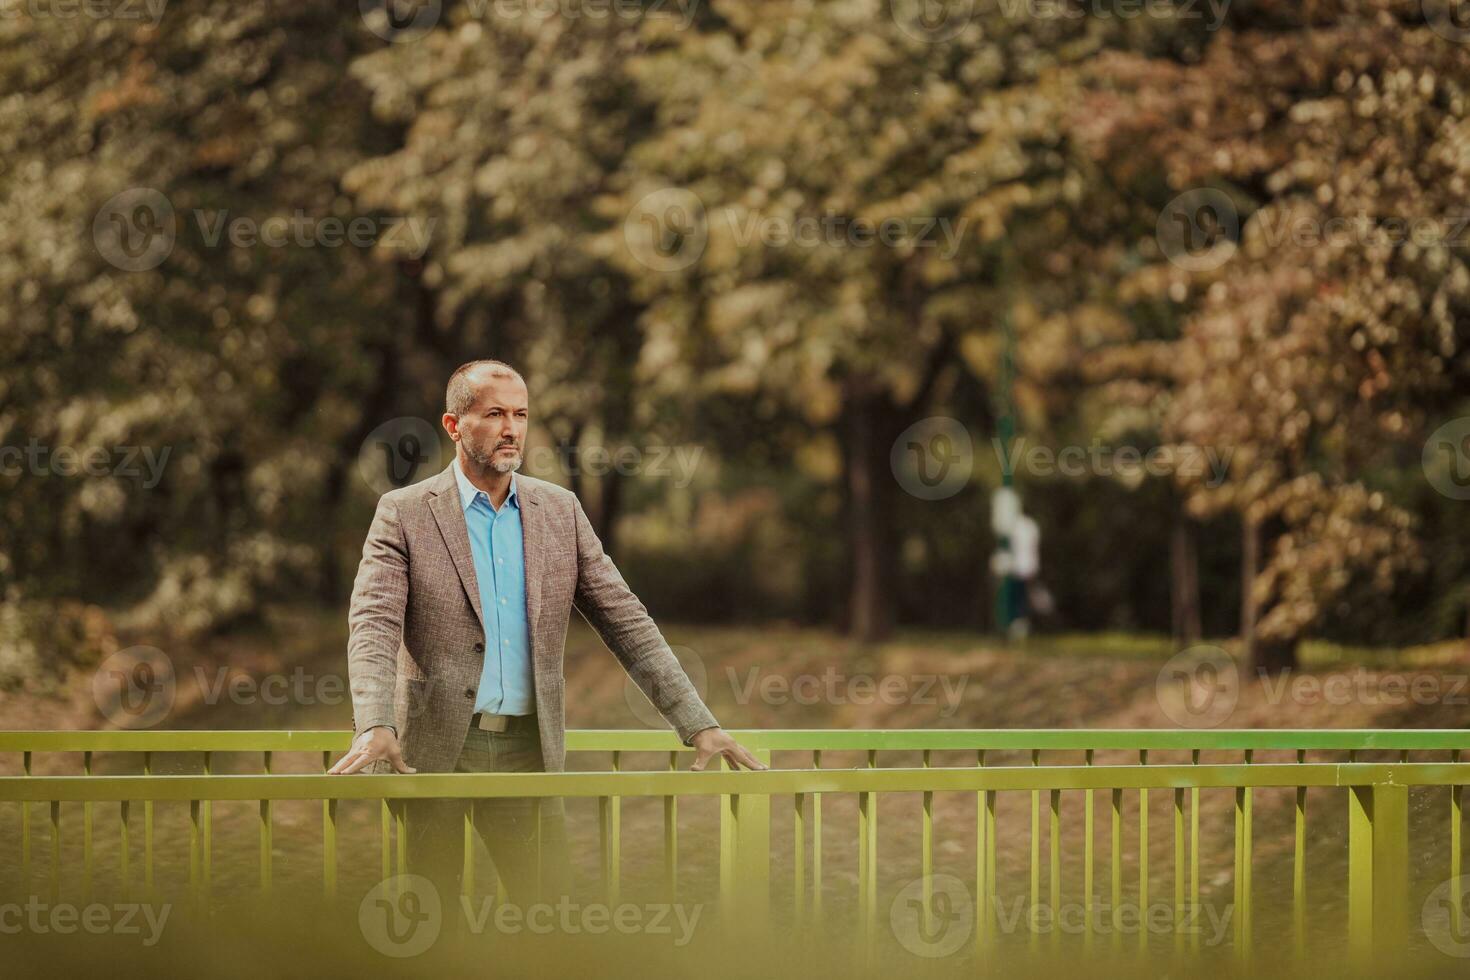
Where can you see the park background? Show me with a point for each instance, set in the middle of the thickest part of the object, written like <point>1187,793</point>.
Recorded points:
<point>795,286</point>
<point>790,282</point>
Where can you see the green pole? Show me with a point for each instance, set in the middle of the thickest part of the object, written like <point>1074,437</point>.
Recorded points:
<point>1005,611</point>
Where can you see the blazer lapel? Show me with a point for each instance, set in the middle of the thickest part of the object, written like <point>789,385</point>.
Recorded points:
<point>449,514</point>
<point>533,546</point>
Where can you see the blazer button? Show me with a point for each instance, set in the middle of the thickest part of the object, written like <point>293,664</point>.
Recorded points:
<point>479,648</point>
<point>469,692</point>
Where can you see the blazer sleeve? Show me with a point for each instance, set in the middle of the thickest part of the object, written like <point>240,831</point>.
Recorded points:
<point>606,602</point>
<point>375,619</point>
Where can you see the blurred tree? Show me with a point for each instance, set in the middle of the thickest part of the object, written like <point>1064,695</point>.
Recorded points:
<point>513,122</point>
<point>138,326</point>
<point>820,222</point>
<point>1330,334</point>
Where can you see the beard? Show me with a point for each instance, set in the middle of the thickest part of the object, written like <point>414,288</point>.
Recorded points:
<point>491,459</point>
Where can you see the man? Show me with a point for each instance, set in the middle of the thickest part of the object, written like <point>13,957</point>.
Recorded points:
<point>458,623</point>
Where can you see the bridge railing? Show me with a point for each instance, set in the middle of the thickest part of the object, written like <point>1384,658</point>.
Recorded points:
<point>1374,793</point>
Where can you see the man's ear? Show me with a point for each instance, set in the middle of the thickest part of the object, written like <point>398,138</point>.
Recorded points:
<point>451,425</point>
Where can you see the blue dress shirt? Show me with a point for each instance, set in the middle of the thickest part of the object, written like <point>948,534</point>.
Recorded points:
<point>507,686</point>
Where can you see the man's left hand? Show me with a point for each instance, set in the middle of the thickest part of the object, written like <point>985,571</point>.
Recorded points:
<point>714,742</point>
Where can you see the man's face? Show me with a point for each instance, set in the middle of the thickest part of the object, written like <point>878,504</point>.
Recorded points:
<point>493,431</point>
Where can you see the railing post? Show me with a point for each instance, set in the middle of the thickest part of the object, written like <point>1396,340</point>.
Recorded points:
<point>329,840</point>
<point>1378,855</point>
<point>25,833</point>
<point>745,857</point>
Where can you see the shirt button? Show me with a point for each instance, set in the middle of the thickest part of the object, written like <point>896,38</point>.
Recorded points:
<point>502,602</point>
<point>505,642</point>
<point>479,648</point>
<point>469,692</point>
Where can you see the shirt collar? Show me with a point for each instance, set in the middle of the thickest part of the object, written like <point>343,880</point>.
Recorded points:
<point>468,491</point>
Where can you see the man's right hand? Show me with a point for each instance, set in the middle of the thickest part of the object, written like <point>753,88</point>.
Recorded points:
<point>373,745</point>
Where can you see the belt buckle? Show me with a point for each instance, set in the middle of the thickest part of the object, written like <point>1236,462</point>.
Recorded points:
<point>492,723</point>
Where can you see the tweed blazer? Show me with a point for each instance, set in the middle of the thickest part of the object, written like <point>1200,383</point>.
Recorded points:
<point>416,639</point>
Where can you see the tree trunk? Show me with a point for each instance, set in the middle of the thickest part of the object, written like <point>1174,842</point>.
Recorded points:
<point>869,515</point>
<point>1184,582</point>
<point>1265,656</point>
<point>609,503</point>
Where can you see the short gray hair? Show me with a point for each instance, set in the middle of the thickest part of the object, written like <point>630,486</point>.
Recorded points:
<point>459,396</point>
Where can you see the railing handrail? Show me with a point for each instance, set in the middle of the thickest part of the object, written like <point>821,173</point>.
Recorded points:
<point>774,782</point>
<point>603,740</point>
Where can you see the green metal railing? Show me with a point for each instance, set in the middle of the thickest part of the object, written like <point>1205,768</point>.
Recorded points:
<point>1376,792</point>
